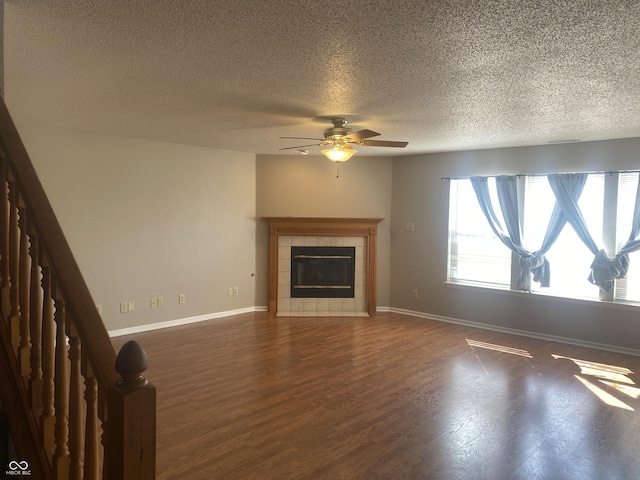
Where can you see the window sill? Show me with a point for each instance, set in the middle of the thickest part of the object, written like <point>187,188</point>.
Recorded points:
<point>622,305</point>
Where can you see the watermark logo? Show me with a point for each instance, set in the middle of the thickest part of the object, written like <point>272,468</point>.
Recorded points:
<point>20,468</point>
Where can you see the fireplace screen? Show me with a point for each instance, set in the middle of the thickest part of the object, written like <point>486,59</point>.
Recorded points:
<point>322,272</point>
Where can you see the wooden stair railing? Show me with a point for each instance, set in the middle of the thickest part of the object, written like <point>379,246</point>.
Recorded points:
<point>75,410</point>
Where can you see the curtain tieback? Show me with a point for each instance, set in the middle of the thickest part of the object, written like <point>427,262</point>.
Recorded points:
<point>540,269</point>
<point>536,264</point>
<point>604,269</point>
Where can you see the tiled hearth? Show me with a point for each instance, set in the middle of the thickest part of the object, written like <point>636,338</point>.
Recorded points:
<point>321,307</point>
<point>285,232</point>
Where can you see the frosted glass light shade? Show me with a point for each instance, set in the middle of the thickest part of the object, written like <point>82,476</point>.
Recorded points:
<point>339,155</point>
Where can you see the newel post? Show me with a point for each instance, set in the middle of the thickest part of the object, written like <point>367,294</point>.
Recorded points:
<point>131,419</point>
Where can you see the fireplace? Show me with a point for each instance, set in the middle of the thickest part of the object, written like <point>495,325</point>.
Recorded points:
<point>288,232</point>
<point>322,272</point>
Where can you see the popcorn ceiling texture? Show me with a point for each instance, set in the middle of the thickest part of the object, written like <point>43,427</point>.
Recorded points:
<point>443,75</point>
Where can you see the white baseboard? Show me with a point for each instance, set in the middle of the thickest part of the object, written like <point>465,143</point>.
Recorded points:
<point>183,321</point>
<point>522,333</point>
<point>382,309</point>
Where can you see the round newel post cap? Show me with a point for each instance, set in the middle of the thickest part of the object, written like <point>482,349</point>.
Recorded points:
<point>131,363</point>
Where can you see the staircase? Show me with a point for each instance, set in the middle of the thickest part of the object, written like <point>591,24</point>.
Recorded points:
<point>75,410</point>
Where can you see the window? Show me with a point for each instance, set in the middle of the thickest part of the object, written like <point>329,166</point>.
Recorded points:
<point>628,288</point>
<point>569,258</point>
<point>477,256</point>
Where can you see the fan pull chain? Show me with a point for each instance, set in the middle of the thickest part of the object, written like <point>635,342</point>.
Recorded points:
<point>337,169</point>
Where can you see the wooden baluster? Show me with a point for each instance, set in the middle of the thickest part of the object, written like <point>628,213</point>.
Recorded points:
<point>131,445</point>
<point>4,241</point>
<point>92,438</point>
<point>24,291</point>
<point>103,414</point>
<point>76,418</point>
<point>36,311</point>
<point>61,458</point>
<point>14,266</point>
<point>47,419</point>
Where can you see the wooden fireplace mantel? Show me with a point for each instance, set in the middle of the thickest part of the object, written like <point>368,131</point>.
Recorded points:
<point>340,227</point>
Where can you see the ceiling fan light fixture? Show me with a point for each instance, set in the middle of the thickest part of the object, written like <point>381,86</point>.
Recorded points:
<point>339,154</point>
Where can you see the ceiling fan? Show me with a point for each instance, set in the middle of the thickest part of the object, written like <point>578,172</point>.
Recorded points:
<point>341,139</point>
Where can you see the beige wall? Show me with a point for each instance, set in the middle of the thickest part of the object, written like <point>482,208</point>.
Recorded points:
<point>419,259</point>
<point>148,219</point>
<point>306,186</point>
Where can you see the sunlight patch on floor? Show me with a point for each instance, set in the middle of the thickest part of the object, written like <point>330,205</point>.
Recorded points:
<point>604,396</point>
<point>612,376</point>
<point>609,375</point>
<point>632,392</point>
<point>498,348</point>
<point>601,370</point>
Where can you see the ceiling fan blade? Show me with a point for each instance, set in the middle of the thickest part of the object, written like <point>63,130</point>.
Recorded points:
<point>302,146</point>
<point>361,135</point>
<point>382,143</point>
<point>305,138</point>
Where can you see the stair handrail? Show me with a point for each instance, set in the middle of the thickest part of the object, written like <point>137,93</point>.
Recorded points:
<point>126,405</point>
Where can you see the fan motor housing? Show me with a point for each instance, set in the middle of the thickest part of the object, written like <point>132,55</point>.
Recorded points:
<point>336,133</point>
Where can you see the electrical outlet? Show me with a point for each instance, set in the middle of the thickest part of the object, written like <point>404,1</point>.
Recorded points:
<point>230,291</point>
<point>131,305</point>
<point>154,302</point>
<point>235,291</point>
<point>124,307</point>
<point>160,301</point>
<point>414,293</point>
<point>182,299</point>
<point>409,227</point>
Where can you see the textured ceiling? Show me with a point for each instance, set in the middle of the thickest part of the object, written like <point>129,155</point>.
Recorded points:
<point>228,74</point>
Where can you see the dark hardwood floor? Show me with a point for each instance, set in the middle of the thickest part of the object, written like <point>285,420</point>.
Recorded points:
<point>253,397</point>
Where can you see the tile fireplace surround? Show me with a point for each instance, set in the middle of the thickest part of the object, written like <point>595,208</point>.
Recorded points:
<point>285,232</point>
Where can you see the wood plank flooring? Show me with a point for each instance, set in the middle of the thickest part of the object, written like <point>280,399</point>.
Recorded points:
<point>394,397</point>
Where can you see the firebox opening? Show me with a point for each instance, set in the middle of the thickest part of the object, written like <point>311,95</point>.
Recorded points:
<point>322,272</point>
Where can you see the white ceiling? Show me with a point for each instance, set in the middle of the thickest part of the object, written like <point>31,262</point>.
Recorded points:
<point>237,75</point>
